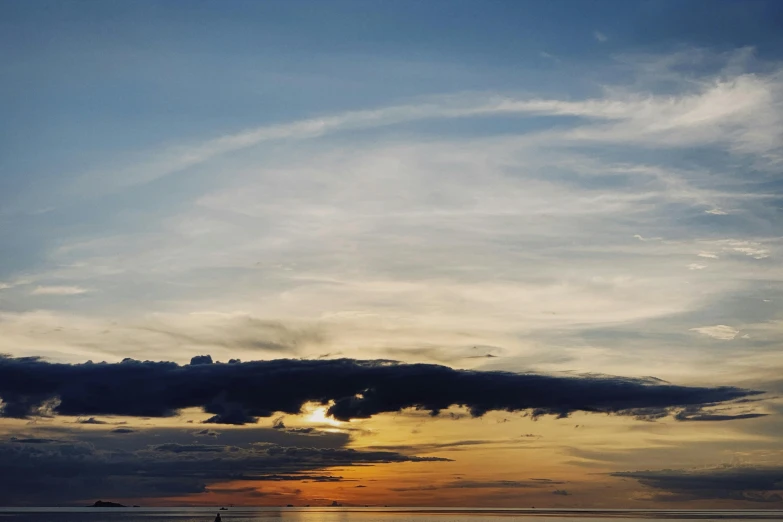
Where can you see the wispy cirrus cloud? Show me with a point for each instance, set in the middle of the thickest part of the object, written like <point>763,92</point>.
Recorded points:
<point>424,244</point>
<point>733,111</point>
<point>59,290</point>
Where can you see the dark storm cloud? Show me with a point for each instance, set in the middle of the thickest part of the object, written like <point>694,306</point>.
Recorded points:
<point>201,359</point>
<point>755,484</point>
<point>235,414</point>
<point>240,393</point>
<point>89,466</point>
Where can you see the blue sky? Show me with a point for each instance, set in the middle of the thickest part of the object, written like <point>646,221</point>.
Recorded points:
<point>553,186</point>
<point>160,159</point>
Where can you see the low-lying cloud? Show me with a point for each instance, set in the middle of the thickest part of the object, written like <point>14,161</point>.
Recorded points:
<point>241,393</point>
<point>755,484</point>
<point>82,467</point>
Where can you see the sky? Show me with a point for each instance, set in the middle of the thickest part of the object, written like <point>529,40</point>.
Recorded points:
<point>443,253</point>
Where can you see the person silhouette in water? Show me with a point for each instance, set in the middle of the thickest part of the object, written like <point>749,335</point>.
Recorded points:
<point>217,518</point>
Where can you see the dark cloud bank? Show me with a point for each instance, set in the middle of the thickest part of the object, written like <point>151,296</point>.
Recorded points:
<point>240,393</point>
<point>76,466</point>
<point>755,484</point>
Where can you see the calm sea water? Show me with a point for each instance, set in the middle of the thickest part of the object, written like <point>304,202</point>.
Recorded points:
<point>238,514</point>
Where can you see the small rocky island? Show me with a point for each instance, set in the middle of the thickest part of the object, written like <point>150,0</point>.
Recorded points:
<point>101,503</point>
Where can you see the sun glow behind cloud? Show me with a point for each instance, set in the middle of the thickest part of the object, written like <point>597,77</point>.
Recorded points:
<point>526,199</point>
<point>317,415</point>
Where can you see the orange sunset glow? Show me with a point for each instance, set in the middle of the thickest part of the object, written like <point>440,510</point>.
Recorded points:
<point>391,260</point>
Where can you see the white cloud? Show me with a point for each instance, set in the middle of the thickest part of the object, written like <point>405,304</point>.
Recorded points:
<point>58,290</point>
<point>743,111</point>
<point>601,37</point>
<point>720,332</point>
<point>752,249</point>
<point>716,211</point>
<point>419,240</point>
<point>405,240</point>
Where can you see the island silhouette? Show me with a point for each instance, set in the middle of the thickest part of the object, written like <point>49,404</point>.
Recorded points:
<point>101,503</point>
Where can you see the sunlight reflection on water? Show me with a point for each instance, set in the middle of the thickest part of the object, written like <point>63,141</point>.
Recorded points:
<point>238,514</point>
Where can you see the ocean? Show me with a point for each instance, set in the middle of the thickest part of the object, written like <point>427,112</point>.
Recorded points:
<point>244,514</point>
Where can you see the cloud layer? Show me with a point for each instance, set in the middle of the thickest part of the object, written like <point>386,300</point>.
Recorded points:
<point>240,393</point>
<point>755,484</point>
<point>76,467</point>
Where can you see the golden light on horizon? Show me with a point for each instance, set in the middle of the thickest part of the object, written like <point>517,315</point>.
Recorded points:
<point>531,256</point>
